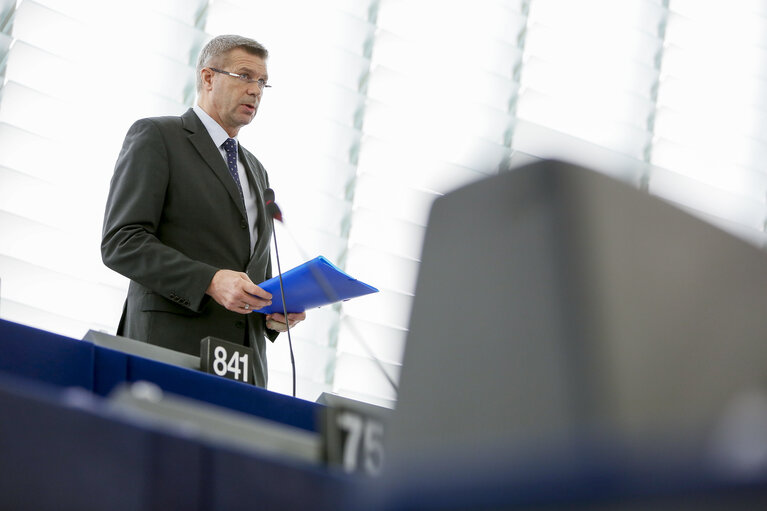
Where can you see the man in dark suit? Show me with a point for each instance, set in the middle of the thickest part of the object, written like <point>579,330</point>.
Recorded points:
<point>185,219</point>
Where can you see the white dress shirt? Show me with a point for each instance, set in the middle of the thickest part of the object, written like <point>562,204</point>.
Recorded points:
<point>219,136</point>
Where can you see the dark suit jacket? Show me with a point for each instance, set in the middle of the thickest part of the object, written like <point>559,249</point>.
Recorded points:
<point>173,218</point>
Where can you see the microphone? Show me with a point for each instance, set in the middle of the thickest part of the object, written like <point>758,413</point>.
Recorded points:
<point>274,212</point>
<point>271,207</point>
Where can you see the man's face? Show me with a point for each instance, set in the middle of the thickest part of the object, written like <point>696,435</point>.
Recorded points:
<point>230,101</point>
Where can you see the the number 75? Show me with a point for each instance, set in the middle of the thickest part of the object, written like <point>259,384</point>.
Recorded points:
<point>364,439</point>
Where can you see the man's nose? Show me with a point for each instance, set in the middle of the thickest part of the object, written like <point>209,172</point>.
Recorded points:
<point>254,89</point>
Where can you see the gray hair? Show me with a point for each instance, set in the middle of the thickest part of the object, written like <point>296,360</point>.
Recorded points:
<point>223,44</point>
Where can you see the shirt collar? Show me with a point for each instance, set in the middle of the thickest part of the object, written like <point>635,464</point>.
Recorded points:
<point>216,132</point>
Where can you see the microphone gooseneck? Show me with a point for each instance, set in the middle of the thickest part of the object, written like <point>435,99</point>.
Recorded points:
<point>275,214</point>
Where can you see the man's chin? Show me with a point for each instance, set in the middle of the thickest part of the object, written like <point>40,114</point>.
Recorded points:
<point>246,119</point>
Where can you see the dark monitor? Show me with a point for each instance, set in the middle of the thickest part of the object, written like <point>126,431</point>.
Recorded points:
<point>556,307</point>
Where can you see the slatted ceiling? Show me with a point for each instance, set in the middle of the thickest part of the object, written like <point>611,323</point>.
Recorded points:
<point>34,242</point>
<point>5,41</point>
<point>311,359</point>
<point>339,25</point>
<point>628,45</point>
<point>81,20</point>
<point>575,87</point>
<point>420,170</point>
<point>386,234</point>
<point>46,319</point>
<point>622,103</point>
<point>557,113</point>
<point>741,23</point>
<point>44,27</point>
<point>682,109</point>
<point>187,12</point>
<point>705,168</point>
<point>39,78</point>
<point>21,195</point>
<point>162,61</point>
<point>403,56</point>
<point>297,238</point>
<point>318,326</point>
<point>387,343</point>
<point>309,208</point>
<point>466,116</point>
<point>15,146</point>
<point>536,141</point>
<point>54,225</point>
<point>388,308</point>
<point>322,174</point>
<point>22,107</point>
<point>57,197</point>
<point>395,199</point>
<point>360,375</point>
<point>6,9</point>
<point>707,152</point>
<point>622,131</point>
<point>59,293</point>
<point>427,93</point>
<point>480,19</point>
<point>386,270</point>
<point>440,150</point>
<point>320,136</point>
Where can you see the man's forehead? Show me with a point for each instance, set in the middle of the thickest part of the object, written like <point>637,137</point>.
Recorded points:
<point>241,58</point>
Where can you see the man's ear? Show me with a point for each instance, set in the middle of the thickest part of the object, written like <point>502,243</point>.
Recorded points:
<point>207,78</point>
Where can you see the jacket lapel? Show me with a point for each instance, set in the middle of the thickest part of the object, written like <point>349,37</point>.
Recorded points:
<point>204,145</point>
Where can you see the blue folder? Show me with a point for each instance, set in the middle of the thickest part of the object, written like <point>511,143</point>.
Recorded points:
<point>313,284</point>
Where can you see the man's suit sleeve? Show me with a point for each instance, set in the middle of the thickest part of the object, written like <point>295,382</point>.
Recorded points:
<point>130,245</point>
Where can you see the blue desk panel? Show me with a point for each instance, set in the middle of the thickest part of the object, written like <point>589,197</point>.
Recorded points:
<point>65,362</point>
<point>45,356</point>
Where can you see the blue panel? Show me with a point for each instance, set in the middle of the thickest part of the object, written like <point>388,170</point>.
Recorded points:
<point>178,463</point>
<point>44,356</point>
<point>237,481</point>
<point>110,370</point>
<point>227,393</point>
<point>62,361</point>
<point>54,456</point>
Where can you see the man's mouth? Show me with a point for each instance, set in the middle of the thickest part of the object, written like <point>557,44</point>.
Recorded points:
<point>249,108</point>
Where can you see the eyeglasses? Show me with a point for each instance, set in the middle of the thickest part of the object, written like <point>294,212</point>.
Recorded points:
<point>243,78</point>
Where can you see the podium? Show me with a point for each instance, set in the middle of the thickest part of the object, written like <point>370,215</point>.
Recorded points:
<point>74,438</point>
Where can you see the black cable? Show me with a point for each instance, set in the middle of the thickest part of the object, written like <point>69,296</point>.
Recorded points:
<point>284,308</point>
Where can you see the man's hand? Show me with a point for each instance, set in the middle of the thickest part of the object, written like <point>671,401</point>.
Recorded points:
<point>236,292</point>
<point>276,321</point>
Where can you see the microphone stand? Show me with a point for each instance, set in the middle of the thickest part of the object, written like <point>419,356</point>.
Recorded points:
<point>284,308</point>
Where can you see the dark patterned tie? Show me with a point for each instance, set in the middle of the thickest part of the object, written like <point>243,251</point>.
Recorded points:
<point>230,146</point>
